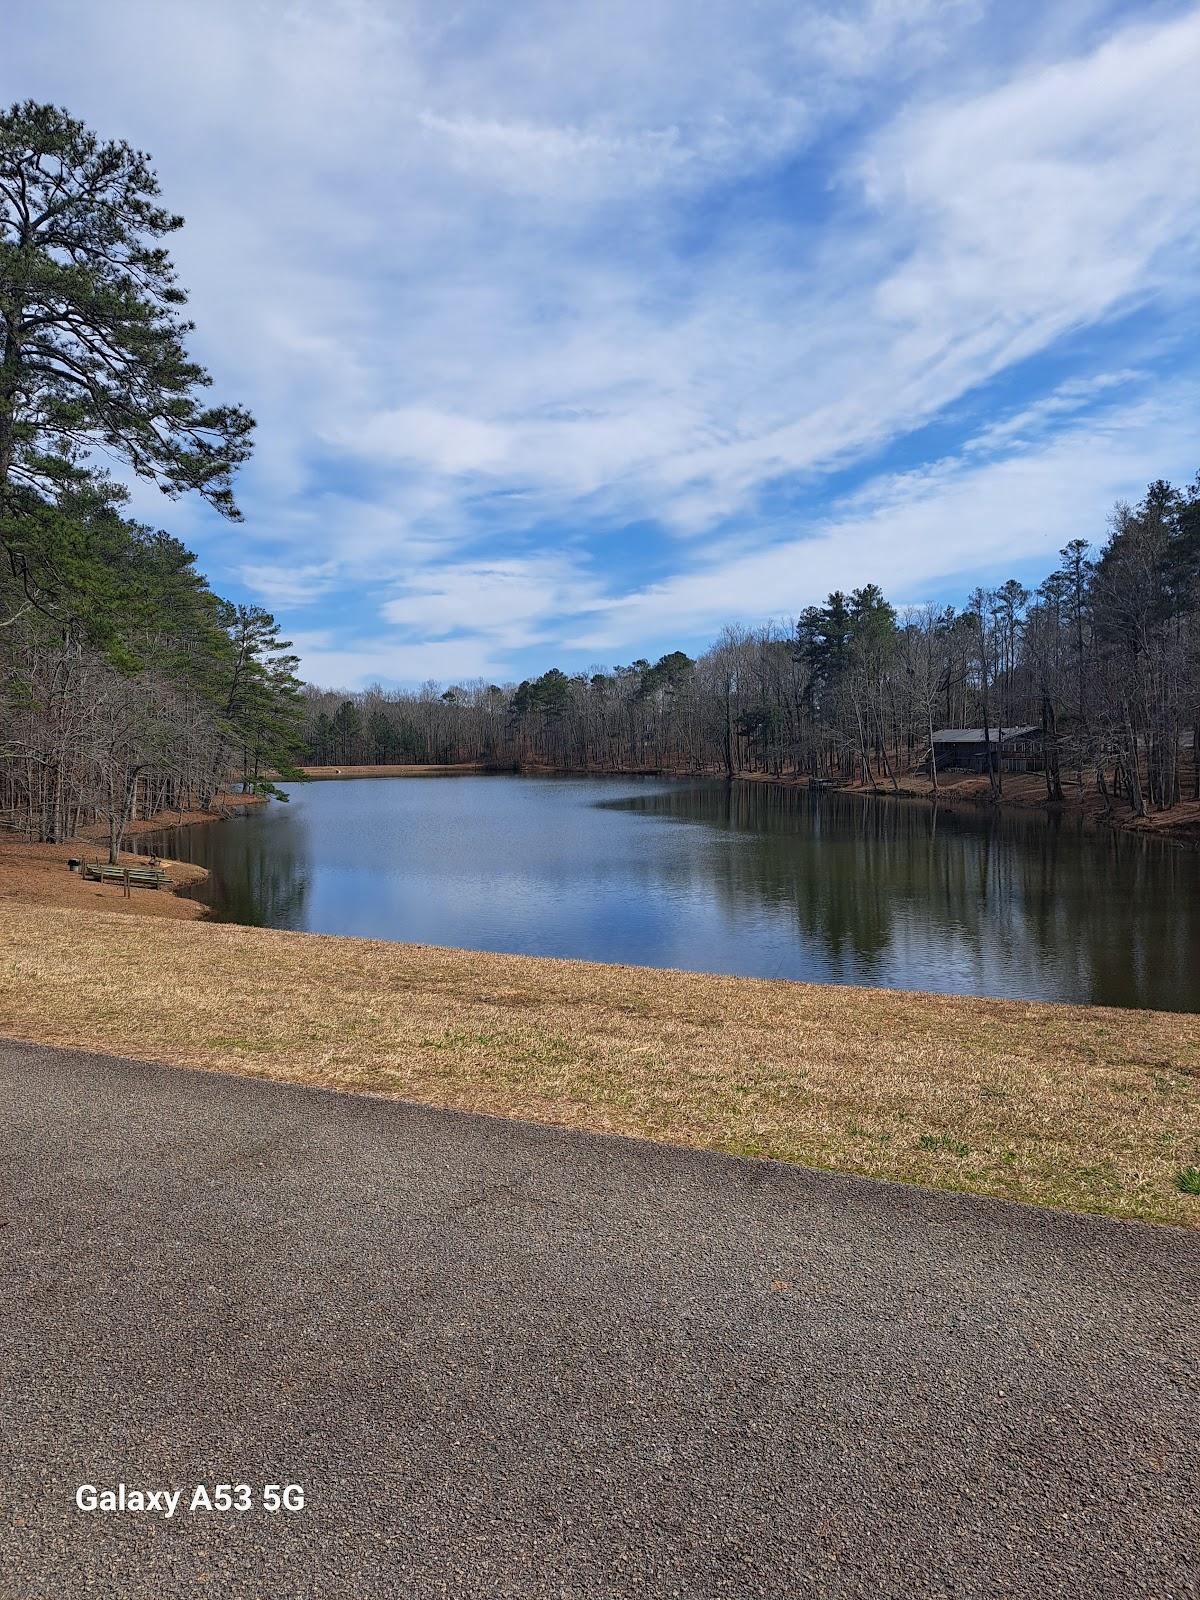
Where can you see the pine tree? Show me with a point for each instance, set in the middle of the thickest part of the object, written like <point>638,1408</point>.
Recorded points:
<point>92,344</point>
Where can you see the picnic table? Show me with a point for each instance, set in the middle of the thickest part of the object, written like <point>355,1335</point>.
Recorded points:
<point>144,877</point>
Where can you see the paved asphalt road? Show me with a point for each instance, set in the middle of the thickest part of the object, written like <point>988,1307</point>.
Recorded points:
<point>507,1360</point>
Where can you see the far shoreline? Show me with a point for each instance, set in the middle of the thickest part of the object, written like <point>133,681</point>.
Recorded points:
<point>34,872</point>
<point>1024,793</point>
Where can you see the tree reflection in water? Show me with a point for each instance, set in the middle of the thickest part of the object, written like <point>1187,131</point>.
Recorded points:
<point>258,879</point>
<point>746,878</point>
<point>1118,916</point>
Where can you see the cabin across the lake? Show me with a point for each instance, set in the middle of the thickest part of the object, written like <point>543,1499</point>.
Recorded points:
<point>973,750</point>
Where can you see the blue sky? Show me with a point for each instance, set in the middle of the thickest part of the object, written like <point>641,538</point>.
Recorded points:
<point>575,332</point>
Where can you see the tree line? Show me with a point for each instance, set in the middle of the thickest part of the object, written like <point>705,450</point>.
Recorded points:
<point>126,684</point>
<point>1102,660</point>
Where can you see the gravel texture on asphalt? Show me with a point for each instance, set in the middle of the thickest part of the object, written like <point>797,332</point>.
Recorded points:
<point>507,1360</point>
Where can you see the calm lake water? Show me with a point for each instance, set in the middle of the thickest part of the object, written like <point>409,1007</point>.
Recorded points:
<point>741,878</point>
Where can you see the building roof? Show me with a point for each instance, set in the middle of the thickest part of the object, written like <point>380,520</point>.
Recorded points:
<point>977,736</point>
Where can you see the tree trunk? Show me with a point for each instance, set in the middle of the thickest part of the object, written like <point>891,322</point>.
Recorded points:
<point>933,771</point>
<point>1050,766</point>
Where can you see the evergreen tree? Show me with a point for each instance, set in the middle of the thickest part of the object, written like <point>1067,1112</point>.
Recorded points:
<point>92,346</point>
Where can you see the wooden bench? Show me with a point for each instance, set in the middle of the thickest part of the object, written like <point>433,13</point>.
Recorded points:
<point>131,877</point>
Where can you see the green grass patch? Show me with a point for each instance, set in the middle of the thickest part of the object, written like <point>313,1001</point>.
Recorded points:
<point>943,1141</point>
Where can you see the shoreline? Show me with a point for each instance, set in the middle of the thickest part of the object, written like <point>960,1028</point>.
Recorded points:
<point>411,770</point>
<point>1084,1108</point>
<point>1024,796</point>
<point>37,873</point>
<point>233,806</point>
<point>1024,793</point>
<point>1087,1108</point>
<point>32,872</point>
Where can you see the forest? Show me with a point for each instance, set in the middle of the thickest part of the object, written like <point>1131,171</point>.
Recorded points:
<point>126,685</point>
<point>1102,660</point>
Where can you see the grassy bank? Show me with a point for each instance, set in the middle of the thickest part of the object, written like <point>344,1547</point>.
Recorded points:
<point>1094,1109</point>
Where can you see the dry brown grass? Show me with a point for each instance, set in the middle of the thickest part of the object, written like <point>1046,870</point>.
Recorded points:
<point>1090,1108</point>
<point>36,874</point>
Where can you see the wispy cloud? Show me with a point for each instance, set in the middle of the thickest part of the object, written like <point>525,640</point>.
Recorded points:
<point>502,284</point>
<point>911,531</point>
<point>1032,421</point>
<point>506,604</point>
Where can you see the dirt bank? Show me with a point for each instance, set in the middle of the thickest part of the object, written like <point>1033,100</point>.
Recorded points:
<point>1023,791</point>
<point>37,875</point>
<point>224,806</point>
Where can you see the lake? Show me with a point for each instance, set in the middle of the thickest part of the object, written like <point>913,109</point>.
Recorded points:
<point>742,878</point>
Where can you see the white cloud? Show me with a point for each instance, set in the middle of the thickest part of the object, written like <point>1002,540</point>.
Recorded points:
<point>1045,202</point>
<point>1075,395</point>
<point>977,516</point>
<point>972,520</point>
<point>286,585</point>
<point>509,603</point>
<point>384,659</point>
<point>486,271</point>
<point>856,41</point>
<point>440,440</point>
<point>993,225</point>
